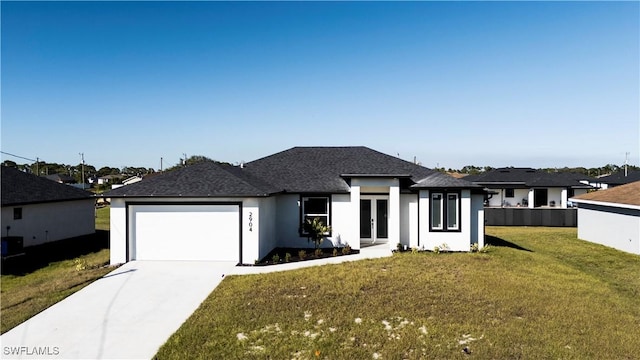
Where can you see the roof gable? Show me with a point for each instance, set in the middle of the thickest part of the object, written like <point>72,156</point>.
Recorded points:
<point>20,188</point>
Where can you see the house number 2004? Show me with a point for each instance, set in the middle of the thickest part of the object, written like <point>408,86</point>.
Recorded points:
<point>250,221</point>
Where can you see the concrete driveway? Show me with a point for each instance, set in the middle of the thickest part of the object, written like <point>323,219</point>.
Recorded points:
<point>127,314</point>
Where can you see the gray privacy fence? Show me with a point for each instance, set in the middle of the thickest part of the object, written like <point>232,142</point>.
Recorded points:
<point>530,217</point>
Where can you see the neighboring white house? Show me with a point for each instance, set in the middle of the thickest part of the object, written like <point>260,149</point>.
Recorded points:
<point>132,180</point>
<point>108,179</point>
<point>531,188</point>
<point>41,210</point>
<point>611,217</point>
<point>213,211</point>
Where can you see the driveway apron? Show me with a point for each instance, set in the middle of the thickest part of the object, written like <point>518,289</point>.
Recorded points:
<point>127,314</point>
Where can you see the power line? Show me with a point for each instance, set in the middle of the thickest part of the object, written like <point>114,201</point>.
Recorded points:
<point>21,157</point>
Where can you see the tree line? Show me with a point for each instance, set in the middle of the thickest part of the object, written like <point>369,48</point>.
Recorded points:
<point>43,168</point>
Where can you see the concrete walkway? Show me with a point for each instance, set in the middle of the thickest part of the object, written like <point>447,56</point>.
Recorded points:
<point>132,311</point>
<point>127,314</point>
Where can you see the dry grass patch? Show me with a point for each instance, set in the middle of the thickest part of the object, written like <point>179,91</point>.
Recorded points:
<point>539,293</point>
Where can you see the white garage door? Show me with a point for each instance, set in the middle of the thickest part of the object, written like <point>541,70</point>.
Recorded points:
<point>185,232</point>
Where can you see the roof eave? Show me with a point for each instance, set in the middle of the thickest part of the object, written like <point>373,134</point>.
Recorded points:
<point>605,203</point>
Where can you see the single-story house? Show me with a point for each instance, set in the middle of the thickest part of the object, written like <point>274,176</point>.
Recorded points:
<point>611,217</point>
<point>531,188</point>
<point>214,211</point>
<point>619,178</point>
<point>109,179</point>
<point>40,210</point>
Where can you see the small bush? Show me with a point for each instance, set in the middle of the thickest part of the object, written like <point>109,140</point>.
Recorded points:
<point>302,254</point>
<point>275,258</point>
<point>318,253</point>
<point>474,247</point>
<point>335,252</point>
<point>487,248</point>
<point>287,257</point>
<point>346,250</point>
<point>399,247</point>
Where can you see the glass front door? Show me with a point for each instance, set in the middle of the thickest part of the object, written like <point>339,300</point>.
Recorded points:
<point>374,223</point>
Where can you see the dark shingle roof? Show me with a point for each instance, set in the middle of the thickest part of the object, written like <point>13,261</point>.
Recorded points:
<point>19,188</point>
<point>203,179</point>
<point>619,178</point>
<point>297,170</point>
<point>528,177</point>
<point>327,169</point>
<point>440,180</point>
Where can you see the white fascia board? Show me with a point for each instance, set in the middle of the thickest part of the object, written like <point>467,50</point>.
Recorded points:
<point>604,203</point>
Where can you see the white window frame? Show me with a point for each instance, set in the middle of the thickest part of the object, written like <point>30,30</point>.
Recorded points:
<point>304,214</point>
<point>457,213</point>
<point>444,211</point>
<point>432,213</point>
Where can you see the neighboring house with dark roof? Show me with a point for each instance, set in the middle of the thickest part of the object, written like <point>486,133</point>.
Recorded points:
<point>61,178</point>
<point>619,178</point>
<point>531,188</point>
<point>611,217</point>
<point>214,211</point>
<point>40,210</point>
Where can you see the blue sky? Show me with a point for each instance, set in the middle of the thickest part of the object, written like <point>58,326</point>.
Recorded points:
<point>540,84</point>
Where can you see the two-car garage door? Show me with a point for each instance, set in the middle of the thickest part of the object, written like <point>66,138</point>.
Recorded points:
<point>209,232</point>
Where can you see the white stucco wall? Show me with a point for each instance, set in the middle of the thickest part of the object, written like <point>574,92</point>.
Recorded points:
<point>555,194</point>
<point>455,240</point>
<point>343,222</point>
<point>287,221</point>
<point>267,229</point>
<point>620,231</point>
<point>47,222</point>
<point>477,220</point>
<point>409,220</point>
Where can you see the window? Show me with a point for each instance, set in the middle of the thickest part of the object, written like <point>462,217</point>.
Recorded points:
<point>315,207</point>
<point>436,211</point>
<point>17,213</point>
<point>452,211</point>
<point>508,193</point>
<point>445,209</point>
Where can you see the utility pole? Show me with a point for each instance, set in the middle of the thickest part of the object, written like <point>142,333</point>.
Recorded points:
<point>82,157</point>
<point>161,164</point>
<point>626,162</point>
<point>38,166</point>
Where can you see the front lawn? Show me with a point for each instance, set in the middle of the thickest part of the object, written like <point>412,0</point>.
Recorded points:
<point>48,273</point>
<point>538,293</point>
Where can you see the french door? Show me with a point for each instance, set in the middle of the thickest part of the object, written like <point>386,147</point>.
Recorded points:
<point>374,222</point>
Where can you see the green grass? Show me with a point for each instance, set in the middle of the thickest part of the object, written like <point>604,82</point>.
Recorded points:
<point>23,296</point>
<point>47,278</point>
<point>538,293</point>
<point>102,218</point>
